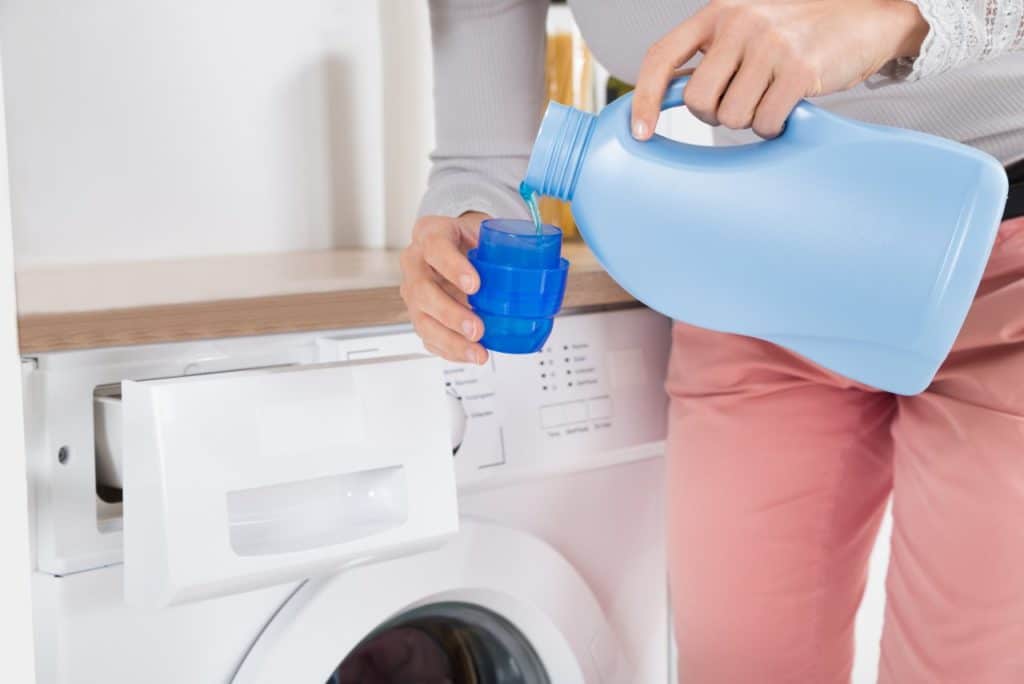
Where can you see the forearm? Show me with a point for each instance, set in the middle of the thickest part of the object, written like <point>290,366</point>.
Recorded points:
<point>488,95</point>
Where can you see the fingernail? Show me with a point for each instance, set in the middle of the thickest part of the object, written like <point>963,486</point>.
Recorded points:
<point>466,282</point>
<point>468,329</point>
<point>471,356</point>
<point>640,129</point>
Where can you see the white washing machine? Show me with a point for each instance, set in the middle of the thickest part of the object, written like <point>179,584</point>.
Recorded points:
<point>289,509</point>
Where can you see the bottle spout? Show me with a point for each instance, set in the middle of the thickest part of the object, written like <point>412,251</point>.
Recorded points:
<point>559,150</point>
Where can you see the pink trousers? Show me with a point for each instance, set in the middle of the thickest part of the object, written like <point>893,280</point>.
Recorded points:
<point>779,473</point>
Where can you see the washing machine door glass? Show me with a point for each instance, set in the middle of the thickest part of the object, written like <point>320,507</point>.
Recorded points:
<point>444,643</point>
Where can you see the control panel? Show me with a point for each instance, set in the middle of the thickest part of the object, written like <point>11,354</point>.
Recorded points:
<point>572,381</point>
<point>592,397</point>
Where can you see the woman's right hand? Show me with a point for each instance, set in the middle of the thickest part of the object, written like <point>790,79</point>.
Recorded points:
<point>436,278</point>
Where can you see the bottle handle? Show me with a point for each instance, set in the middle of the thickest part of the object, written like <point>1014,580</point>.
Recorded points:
<point>803,122</point>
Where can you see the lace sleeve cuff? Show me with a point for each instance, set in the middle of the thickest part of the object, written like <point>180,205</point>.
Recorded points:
<point>961,32</point>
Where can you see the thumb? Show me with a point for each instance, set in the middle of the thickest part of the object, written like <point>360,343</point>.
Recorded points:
<point>468,224</point>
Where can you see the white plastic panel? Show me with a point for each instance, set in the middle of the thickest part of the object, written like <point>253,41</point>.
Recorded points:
<point>238,480</point>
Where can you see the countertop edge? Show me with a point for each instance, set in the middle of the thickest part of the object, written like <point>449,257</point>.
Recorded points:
<point>262,315</point>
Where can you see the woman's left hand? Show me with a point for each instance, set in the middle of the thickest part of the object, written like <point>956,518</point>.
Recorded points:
<point>762,56</point>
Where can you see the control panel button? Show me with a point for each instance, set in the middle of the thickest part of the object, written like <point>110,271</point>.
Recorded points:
<point>552,416</point>
<point>575,412</point>
<point>600,408</point>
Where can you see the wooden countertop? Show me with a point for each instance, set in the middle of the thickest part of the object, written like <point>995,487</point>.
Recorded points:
<point>107,305</point>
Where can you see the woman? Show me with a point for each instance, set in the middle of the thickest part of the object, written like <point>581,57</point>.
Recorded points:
<point>778,469</point>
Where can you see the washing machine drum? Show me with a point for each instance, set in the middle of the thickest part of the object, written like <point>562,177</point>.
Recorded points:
<point>446,643</point>
<point>492,605</point>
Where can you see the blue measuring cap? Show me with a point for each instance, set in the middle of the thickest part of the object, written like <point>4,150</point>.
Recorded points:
<point>522,283</point>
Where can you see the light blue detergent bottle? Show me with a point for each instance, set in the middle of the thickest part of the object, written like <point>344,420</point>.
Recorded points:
<point>857,246</point>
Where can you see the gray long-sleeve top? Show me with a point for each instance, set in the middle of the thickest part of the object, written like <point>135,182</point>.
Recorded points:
<point>967,84</point>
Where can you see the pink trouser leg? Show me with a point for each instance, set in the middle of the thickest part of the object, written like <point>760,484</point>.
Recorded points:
<point>778,476</point>
<point>955,588</point>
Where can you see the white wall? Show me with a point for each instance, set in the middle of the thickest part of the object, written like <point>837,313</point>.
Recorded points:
<point>15,592</point>
<point>408,113</point>
<point>164,128</point>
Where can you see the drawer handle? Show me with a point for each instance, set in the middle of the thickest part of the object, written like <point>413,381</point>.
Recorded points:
<point>315,513</point>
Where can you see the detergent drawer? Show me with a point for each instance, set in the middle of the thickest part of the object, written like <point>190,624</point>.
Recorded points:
<point>238,480</point>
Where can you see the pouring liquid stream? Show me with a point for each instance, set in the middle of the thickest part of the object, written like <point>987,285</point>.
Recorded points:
<point>529,196</point>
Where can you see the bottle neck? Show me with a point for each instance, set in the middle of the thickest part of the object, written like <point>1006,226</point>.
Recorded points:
<point>559,151</point>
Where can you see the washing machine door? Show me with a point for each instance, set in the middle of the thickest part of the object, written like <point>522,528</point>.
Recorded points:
<point>492,606</point>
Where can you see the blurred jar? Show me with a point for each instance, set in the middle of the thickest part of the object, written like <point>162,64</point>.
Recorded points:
<point>569,79</point>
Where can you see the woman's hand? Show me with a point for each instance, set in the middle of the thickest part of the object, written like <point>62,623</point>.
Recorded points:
<point>436,277</point>
<point>762,56</point>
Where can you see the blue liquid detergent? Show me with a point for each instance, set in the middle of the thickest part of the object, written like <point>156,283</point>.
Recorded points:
<point>529,196</point>
<point>857,246</point>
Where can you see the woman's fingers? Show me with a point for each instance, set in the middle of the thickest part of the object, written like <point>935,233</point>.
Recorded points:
<point>455,293</point>
<point>441,251</point>
<point>429,298</point>
<point>436,277</point>
<point>712,77</point>
<point>782,96</point>
<point>422,292</point>
<point>446,343</point>
<point>762,56</point>
<point>658,68</point>
<point>743,96</point>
